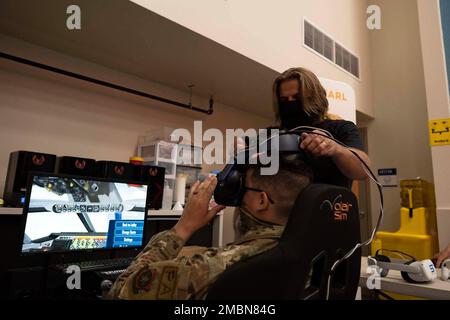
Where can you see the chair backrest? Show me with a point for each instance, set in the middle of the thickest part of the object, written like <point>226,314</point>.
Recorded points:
<point>322,227</point>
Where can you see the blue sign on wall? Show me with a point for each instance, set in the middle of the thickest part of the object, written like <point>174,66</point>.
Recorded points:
<point>445,18</point>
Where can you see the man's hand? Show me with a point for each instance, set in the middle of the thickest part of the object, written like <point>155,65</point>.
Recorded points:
<point>345,160</point>
<point>319,146</point>
<point>441,256</point>
<point>196,213</point>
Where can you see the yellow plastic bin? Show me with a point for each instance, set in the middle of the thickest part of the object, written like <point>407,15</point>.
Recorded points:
<point>417,235</point>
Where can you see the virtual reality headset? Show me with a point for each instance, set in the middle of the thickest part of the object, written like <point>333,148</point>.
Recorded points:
<point>230,187</point>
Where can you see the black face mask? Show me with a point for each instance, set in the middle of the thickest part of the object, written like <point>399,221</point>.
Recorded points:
<point>292,115</point>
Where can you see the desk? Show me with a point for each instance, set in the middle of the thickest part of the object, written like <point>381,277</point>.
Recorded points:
<point>154,214</point>
<point>19,211</point>
<point>393,282</point>
<point>11,211</point>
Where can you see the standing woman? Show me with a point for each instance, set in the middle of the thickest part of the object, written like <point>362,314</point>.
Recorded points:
<point>299,99</point>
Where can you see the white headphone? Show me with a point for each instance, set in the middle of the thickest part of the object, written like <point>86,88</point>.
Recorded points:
<point>411,271</point>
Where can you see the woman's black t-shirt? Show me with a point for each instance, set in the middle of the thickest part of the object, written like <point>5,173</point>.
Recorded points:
<point>325,171</point>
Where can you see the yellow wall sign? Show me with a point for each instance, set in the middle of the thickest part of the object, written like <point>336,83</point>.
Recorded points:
<point>439,132</point>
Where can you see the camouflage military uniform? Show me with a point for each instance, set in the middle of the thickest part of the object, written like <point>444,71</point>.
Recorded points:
<point>159,272</point>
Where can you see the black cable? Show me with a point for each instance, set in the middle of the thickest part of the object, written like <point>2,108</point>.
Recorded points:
<point>396,251</point>
<point>353,152</point>
<point>312,130</point>
<point>359,245</point>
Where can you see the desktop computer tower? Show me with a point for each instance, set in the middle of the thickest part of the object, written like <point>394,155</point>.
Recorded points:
<point>20,164</point>
<point>115,170</point>
<point>76,166</point>
<point>153,176</point>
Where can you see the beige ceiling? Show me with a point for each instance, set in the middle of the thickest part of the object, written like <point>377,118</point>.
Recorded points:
<point>123,36</point>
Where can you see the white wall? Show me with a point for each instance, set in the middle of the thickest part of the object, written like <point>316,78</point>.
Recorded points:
<point>270,32</point>
<point>398,137</point>
<point>438,107</point>
<point>41,111</point>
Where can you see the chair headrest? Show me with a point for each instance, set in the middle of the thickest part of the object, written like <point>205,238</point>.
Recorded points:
<point>326,209</point>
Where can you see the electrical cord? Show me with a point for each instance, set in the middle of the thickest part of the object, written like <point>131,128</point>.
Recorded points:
<point>308,129</point>
<point>401,253</point>
<point>371,175</point>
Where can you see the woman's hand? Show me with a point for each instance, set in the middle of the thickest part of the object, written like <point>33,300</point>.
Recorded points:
<point>196,213</point>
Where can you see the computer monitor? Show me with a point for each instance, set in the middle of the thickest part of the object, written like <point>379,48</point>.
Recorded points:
<point>64,213</point>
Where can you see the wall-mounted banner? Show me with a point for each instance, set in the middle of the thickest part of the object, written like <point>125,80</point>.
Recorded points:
<point>341,99</point>
<point>388,177</point>
<point>439,132</point>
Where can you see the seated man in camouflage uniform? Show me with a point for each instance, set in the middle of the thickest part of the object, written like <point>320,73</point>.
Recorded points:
<point>161,272</point>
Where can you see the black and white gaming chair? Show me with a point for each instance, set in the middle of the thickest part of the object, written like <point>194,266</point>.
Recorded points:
<point>322,227</point>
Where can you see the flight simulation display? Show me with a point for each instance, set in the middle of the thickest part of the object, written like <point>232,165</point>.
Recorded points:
<point>66,214</point>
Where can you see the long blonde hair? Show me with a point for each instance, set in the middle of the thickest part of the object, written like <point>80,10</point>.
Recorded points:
<point>311,92</point>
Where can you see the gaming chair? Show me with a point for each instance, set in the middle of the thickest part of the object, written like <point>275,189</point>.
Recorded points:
<point>323,226</point>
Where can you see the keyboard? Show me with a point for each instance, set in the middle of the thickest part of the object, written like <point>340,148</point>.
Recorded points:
<point>111,274</point>
<point>99,265</point>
